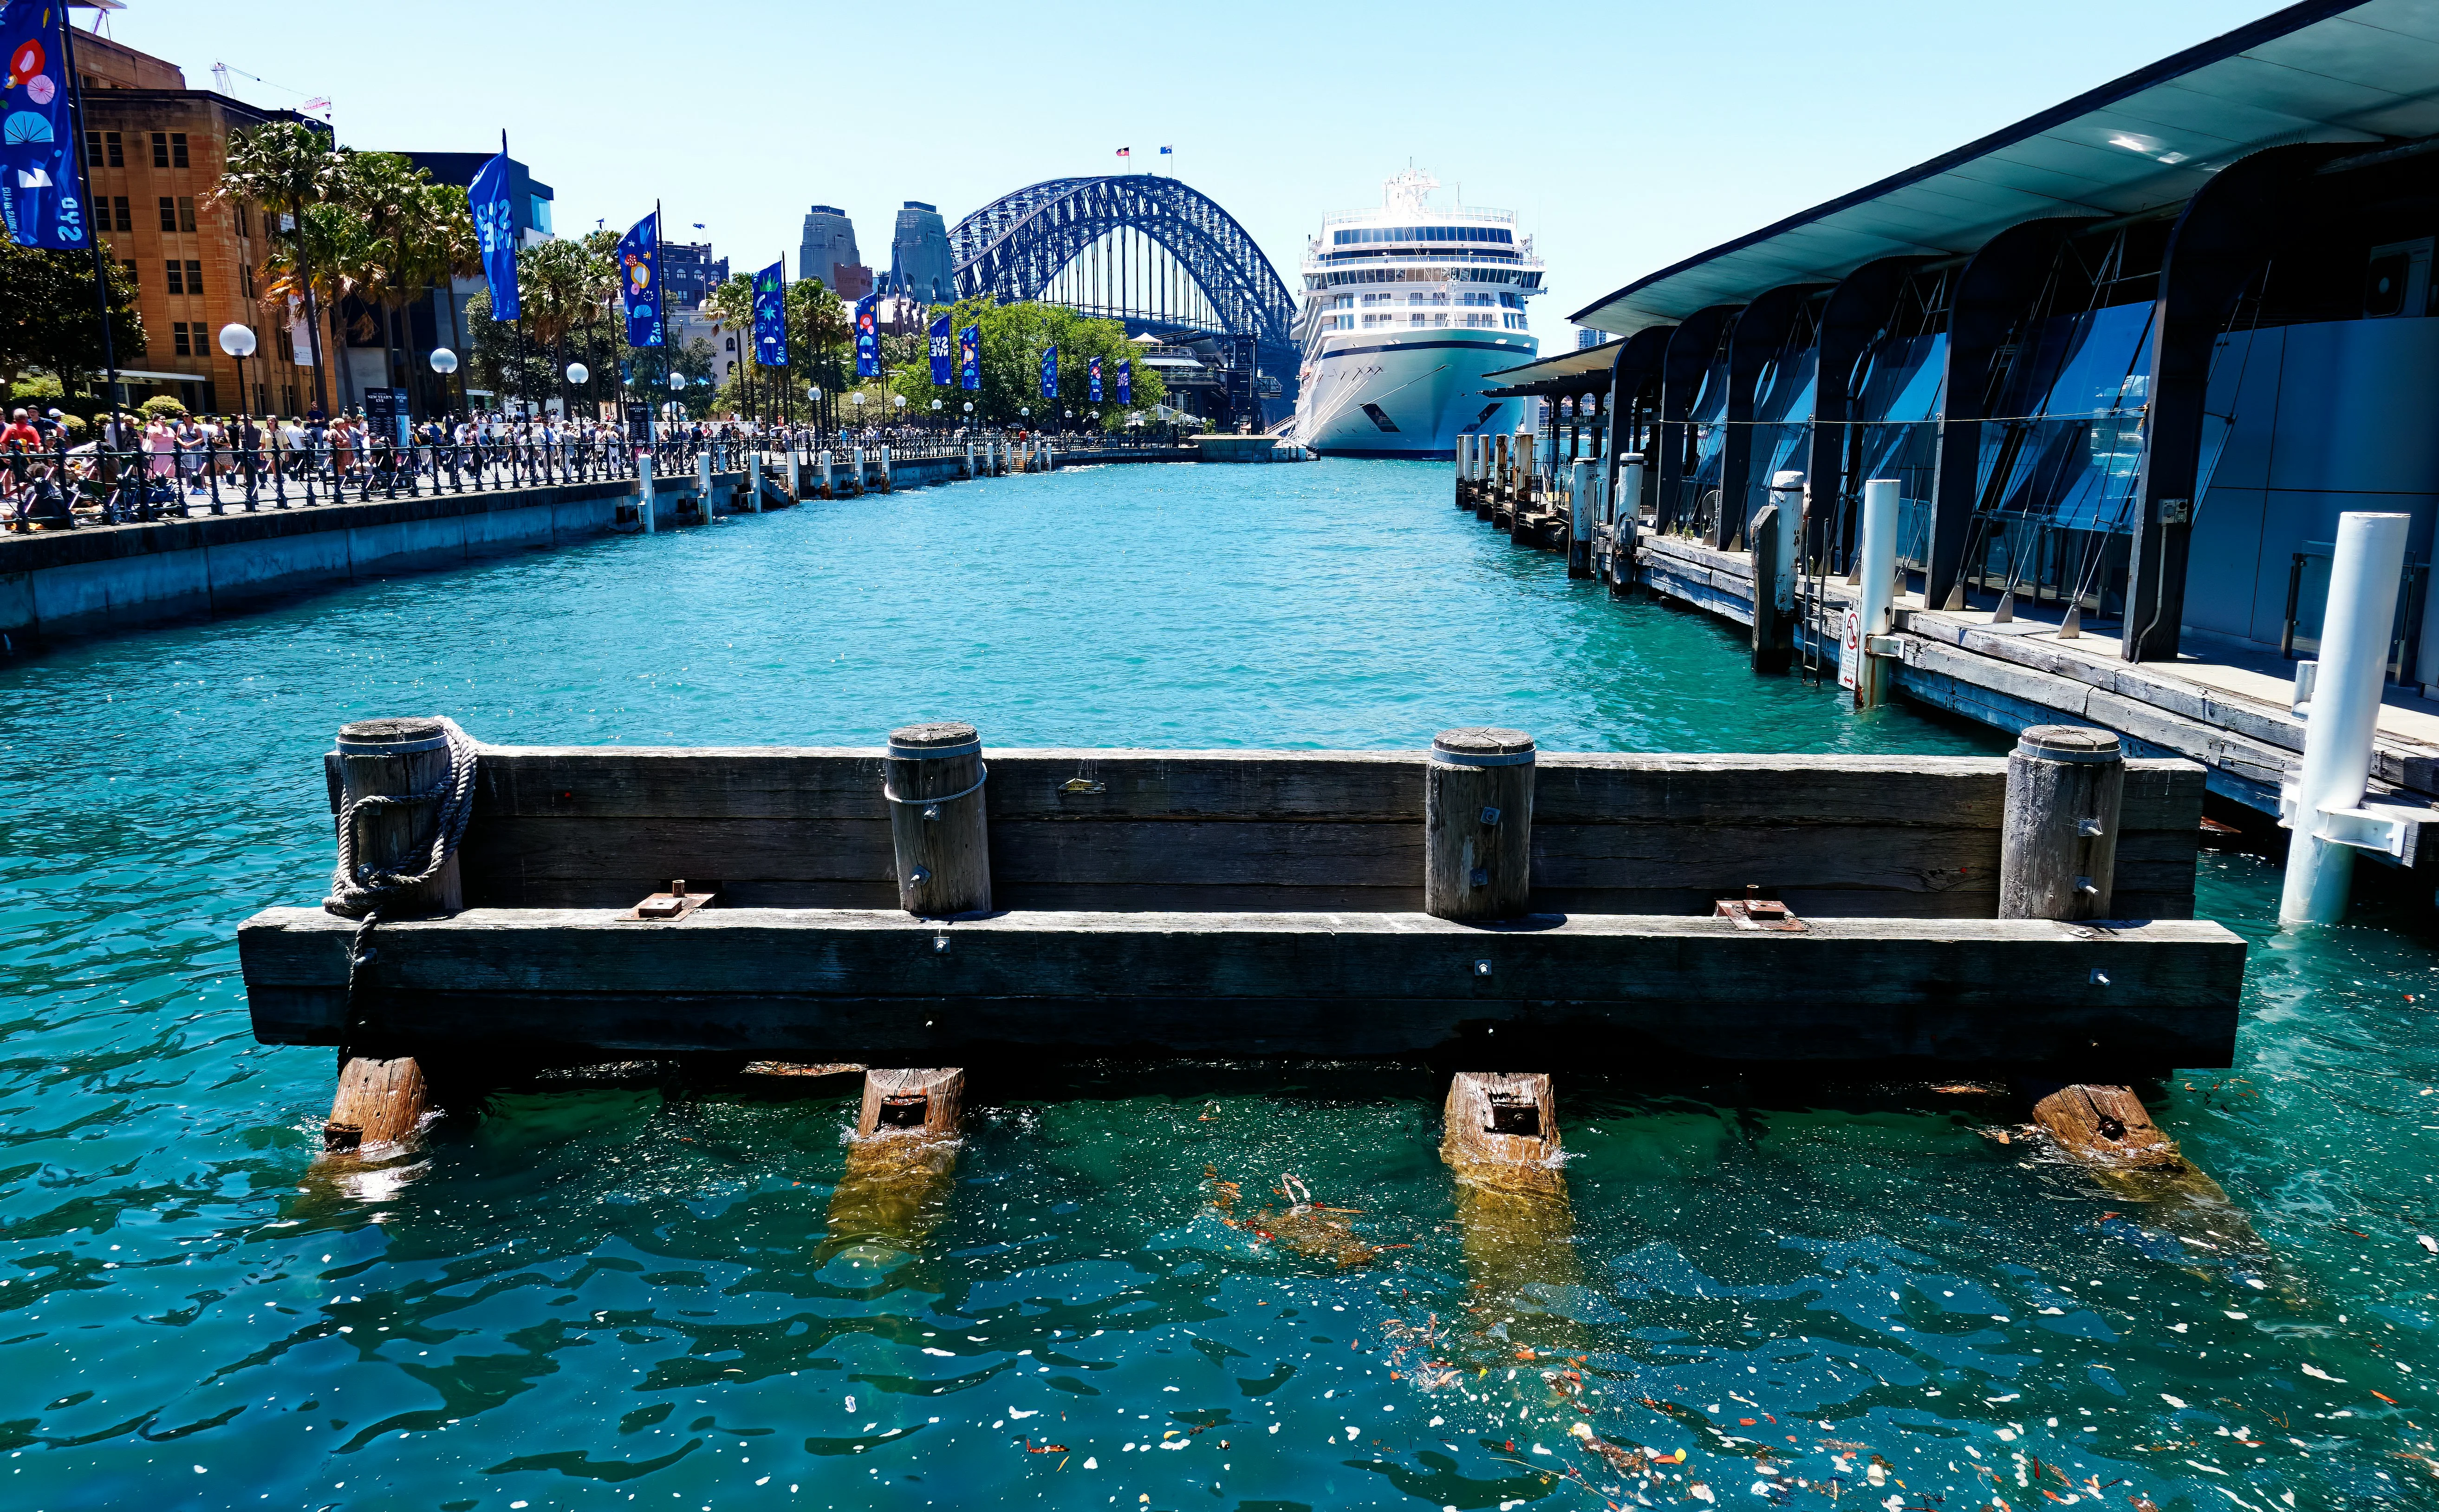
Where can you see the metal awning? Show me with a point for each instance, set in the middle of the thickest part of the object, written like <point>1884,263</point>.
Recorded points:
<point>1584,370</point>
<point>2324,71</point>
<point>150,376</point>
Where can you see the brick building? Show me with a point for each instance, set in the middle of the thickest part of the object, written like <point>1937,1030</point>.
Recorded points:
<point>154,151</point>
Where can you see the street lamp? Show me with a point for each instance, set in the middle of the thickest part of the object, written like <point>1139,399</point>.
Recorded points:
<point>237,342</point>
<point>936,415</point>
<point>444,362</point>
<point>576,374</point>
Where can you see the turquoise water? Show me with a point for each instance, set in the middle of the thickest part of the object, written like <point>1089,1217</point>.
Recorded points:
<point>625,1290</point>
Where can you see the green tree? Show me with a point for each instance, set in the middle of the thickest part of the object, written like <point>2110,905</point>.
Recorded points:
<point>1014,339</point>
<point>289,167</point>
<point>52,319</point>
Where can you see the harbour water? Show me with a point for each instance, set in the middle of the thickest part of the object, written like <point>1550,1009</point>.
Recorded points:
<point>624,1290</point>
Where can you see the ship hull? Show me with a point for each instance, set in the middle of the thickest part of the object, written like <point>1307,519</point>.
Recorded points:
<point>1407,395</point>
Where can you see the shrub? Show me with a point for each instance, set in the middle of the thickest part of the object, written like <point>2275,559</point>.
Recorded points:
<point>162,407</point>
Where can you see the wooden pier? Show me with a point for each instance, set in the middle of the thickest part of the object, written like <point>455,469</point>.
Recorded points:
<point>914,903</point>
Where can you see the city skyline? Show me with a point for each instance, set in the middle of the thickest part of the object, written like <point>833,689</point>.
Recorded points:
<point>1822,112</point>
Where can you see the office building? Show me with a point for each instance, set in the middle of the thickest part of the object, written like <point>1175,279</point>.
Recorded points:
<point>689,273</point>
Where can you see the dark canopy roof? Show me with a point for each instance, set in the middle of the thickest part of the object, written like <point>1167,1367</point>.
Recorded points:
<point>1582,371</point>
<point>2324,71</point>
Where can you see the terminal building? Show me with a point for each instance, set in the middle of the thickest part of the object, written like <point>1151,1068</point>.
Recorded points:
<point>2132,355</point>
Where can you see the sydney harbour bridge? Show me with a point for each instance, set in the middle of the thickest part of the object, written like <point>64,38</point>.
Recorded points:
<point>1161,258</point>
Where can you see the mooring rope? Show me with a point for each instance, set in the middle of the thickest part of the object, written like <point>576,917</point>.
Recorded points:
<point>358,889</point>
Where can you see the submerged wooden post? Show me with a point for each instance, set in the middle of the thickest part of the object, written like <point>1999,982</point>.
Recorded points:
<point>912,1102</point>
<point>2058,849</point>
<point>901,1159</point>
<point>380,1099</point>
<point>1478,825</point>
<point>1500,1141</point>
<point>934,781</point>
<point>378,1103</point>
<point>1497,1121</point>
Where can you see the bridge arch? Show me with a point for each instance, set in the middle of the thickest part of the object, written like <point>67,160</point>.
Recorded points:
<point>1074,241</point>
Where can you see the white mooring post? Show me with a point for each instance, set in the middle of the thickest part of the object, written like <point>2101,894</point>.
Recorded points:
<point>702,480</point>
<point>969,459</point>
<point>856,462</point>
<point>884,470</point>
<point>1873,613</point>
<point>753,480</point>
<point>829,465</point>
<point>1580,503</point>
<point>795,473</point>
<point>643,490</point>
<point>2324,806</point>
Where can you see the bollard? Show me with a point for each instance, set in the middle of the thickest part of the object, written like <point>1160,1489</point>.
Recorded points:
<point>1579,519</point>
<point>702,482</point>
<point>795,475</point>
<point>397,759</point>
<point>753,483</point>
<point>934,782</point>
<point>2057,844</point>
<point>645,503</point>
<point>1626,523</point>
<point>856,467</point>
<point>2324,806</point>
<point>1774,573</point>
<point>884,470</point>
<point>829,485</point>
<point>1875,608</point>
<point>969,459</point>
<point>1478,825</point>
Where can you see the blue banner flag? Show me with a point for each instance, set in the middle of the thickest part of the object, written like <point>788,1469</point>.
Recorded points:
<point>1126,373</point>
<point>41,190</point>
<point>770,317</point>
<point>639,280</point>
<point>1093,379</point>
<point>970,359</point>
<point>1050,373</point>
<point>940,358</point>
<point>867,336</point>
<point>495,233</point>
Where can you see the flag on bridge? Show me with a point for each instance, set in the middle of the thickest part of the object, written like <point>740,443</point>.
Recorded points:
<point>770,315</point>
<point>1050,373</point>
<point>495,233</point>
<point>1125,152</point>
<point>1093,379</point>
<point>639,280</point>
<point>940,358</point>
<point>42,180</point>
<point>970,359</point>
<point>1126,373</point>
<point>867,336</point>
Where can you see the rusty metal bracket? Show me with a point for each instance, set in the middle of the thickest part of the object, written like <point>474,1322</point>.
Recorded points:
<point>666,907</point>
<point>1751,913</point>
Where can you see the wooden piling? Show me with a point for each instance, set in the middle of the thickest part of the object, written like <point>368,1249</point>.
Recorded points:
<point>379,1104</point>
<point>902,1163</point>
<point>1501,1126</point>
<point>934,777</point>
<point>1478,825</point>
<point>1500,1138</point>
<point>898,1103</point>
<point>2058,849</point>
<point>382,1099</point>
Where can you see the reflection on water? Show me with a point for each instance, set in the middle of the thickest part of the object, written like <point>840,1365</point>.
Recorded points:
<point>633,1288</point>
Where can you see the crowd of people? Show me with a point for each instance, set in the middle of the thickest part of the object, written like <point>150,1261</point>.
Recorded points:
<point>137,465</point>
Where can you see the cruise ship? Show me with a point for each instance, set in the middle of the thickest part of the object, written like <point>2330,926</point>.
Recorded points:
<point>1405,307</point>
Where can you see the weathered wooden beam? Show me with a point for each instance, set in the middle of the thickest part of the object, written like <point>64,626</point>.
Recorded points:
<point>901,1103</point>
<point>1500,1128</point>
<point>379,1104</point>
<point>2108,1132</point>
<point>848,985</point>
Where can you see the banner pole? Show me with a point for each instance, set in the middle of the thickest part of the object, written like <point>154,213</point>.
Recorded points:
<point>84,183</point>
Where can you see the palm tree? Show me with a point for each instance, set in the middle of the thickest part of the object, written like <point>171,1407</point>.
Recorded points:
<point>558,285</point>
<point>290,167</point>
<point>450,252</point>
<point>323,261</point>
<point>385,191</point>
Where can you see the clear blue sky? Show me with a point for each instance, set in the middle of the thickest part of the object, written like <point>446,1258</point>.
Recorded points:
<point>1627,134</point>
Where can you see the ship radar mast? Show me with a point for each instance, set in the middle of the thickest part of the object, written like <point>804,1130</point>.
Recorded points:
<point>1406,193</point>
